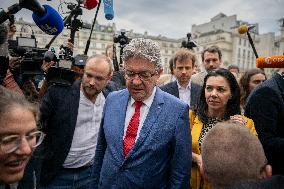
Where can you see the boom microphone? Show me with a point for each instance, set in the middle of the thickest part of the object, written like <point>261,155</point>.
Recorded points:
<point>244,28</point>
<point>276,61</point>
<point>108,8</point>
<point>90,4</point>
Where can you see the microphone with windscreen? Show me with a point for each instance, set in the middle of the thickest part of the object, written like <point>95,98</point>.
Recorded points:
<point>45,17</point>
<point>108,9</point>
<point>276,61</point>
<point>90,4</point>
<point>245,29</point>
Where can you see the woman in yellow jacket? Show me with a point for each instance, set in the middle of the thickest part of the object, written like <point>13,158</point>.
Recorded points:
<point>219,101</point>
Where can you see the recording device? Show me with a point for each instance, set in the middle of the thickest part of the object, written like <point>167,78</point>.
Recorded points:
<point>276,61</point>
<point>45,17</point>
<point>189,44</point>
<point>32,57</point>
<point>90,4</point>
<point>245,29</point>
<point>123,40</point>
<point>60,76</point>
<point>80,60</point>
<point>108,9</point>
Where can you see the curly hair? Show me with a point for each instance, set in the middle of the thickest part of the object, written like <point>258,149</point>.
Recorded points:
<point>143,48</point>
<point>233,105</point>
<point>244,83</point>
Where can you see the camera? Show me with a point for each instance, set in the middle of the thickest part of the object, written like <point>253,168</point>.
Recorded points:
<point>32,57</point>
<point>122,39</point>
<point>189,44</point>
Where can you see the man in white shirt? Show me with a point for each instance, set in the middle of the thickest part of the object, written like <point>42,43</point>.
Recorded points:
<point>71,116</point>
<point>182,88</point>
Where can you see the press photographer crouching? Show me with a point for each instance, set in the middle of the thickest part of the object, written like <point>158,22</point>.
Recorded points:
<point>19,136</point>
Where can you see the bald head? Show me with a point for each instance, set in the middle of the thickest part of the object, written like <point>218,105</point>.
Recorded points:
<point>230,153</point>
<point>99,60</point>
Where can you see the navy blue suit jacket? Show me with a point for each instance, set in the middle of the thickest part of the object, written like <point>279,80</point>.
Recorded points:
<point>172,88</point>
<point>59,110</point>
<point>161,156</point>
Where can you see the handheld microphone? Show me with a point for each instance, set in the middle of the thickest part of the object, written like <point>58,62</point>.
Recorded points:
<point>108,9</point>
<point>50,22</point>
<point>90,4</point>
<point>276,61</point>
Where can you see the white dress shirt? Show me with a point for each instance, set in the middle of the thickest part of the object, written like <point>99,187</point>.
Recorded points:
<point>144,110</point>
<point>184,93</point>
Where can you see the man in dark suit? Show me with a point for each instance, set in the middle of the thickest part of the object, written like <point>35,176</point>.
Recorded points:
<point>266,107</point>
<point>144,139</point>
<point>183,65</point>
<point>70,117</point>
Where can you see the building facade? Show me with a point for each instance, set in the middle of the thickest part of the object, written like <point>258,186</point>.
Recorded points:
<point>101,37</point>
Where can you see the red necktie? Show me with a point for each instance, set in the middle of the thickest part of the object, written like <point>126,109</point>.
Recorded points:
<point>132,129</point>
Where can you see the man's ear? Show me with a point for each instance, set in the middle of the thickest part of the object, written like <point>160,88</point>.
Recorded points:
<point>266,172</point>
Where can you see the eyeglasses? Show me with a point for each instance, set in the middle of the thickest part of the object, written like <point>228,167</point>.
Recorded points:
<point>145,75</point>
<point>11,143</point>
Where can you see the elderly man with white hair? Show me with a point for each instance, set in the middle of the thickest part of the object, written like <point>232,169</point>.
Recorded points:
<point>144,139</point>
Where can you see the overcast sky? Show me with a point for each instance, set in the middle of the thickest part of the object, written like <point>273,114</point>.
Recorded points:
<point>174,18</point>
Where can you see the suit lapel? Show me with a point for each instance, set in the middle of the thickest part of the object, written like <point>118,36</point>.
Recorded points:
<point>151,118</point>
<point>175,89</point>
<point>74,103</point>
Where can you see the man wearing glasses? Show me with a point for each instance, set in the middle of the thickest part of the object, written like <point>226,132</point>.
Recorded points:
<point>71,116</point>
<point>18,136</point>
<point>144,139</point>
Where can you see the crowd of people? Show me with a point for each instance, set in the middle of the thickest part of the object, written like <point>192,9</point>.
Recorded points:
<point>207,129</point>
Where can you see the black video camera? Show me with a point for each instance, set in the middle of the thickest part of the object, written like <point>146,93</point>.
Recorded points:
<point>122,39</point>
<point>189,44</point>
<point>32,56</point>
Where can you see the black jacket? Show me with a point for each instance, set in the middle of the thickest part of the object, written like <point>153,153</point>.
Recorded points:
<point>265,107</point>
<point>172,88</point>
<point>59,110</point>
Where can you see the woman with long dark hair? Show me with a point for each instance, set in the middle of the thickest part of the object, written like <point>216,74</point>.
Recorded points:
<point>219,101</point>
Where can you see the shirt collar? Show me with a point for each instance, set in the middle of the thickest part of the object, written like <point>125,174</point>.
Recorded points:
<point>148,101</point>
<point>187,87</point>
